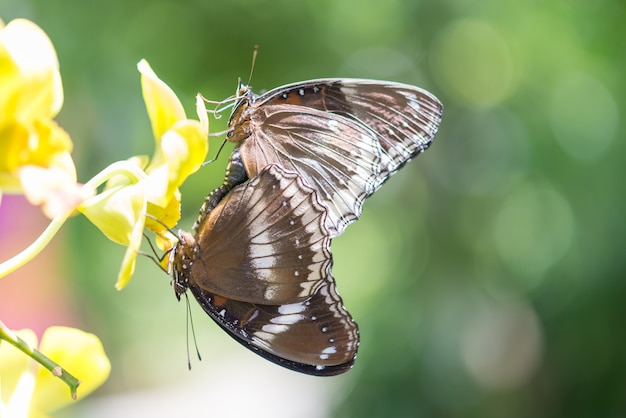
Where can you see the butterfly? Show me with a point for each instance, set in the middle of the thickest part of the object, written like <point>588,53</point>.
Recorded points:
<point>259,264</point>
<point>344,137</point>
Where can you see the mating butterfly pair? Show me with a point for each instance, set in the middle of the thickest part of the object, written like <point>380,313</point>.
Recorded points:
<point>259,262</point>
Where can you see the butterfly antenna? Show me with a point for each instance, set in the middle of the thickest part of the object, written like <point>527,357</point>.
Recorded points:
<point>255,52</point>
<point>193,333</point>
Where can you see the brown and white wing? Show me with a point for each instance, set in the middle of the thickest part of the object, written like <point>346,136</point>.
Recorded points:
<point>316,336</point>
<point>404,117</point>
<point>337,157</point>
<point>265,242</point>
<point>345,137</point>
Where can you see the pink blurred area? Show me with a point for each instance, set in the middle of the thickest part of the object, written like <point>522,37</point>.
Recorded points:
<point>37,295</point>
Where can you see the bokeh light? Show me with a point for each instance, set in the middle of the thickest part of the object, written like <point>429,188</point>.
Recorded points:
<point>584,116</point>
<point>472,63</point>
<point>532,230</point>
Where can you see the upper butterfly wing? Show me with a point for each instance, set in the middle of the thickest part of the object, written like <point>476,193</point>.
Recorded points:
<point>265,242</point>
<point>317,336</point>
<point>339,158</point>
<point>345,137</point>
<point>404,117</point>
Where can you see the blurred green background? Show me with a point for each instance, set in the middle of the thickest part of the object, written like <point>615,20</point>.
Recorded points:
<point>487,276</point>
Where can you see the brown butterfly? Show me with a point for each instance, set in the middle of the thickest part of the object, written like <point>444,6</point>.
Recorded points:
<point>344,137</point>
<point>259,264</point>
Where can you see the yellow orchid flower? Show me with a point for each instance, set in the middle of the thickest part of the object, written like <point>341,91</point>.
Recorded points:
<point>181,147</point>
<point>29,390</point>
<point>35,152</point>
<point>35,158</point>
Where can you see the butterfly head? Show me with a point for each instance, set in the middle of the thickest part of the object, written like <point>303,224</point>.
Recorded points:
<point>183,256</point>
<point>239,124</point>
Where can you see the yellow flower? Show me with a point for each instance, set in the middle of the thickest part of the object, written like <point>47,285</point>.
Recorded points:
<point>35,152</point>
<point>141,188</point>
<point>29,390</point>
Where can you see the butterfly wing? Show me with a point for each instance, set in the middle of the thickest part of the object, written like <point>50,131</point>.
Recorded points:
<point>316,336</point>
<point>265,242</point>
<point>321,149</point>
<point>405,118</point>
<point>345,137</point>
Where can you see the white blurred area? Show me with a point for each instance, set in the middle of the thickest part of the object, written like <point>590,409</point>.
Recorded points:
<point>239,384</point>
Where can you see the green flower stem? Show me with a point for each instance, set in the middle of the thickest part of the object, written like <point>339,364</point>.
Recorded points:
<point>56,370</point>
<point>124,168</point>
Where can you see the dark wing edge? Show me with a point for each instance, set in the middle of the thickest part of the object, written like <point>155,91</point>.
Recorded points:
<point>220,316</point>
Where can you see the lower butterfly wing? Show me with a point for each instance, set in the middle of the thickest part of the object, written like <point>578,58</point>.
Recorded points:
<point>316,336</point>
<point>265,242</point>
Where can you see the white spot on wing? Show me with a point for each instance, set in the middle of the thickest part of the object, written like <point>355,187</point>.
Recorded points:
<point>327,352</point>
<point>333,125</point>
<point>270,293</point>
<point>330,350</point>
<point>291,308</point>
<point>415,105</point>
<point>287,319</point>
<point>275,328</point>
<point>254,315</point>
